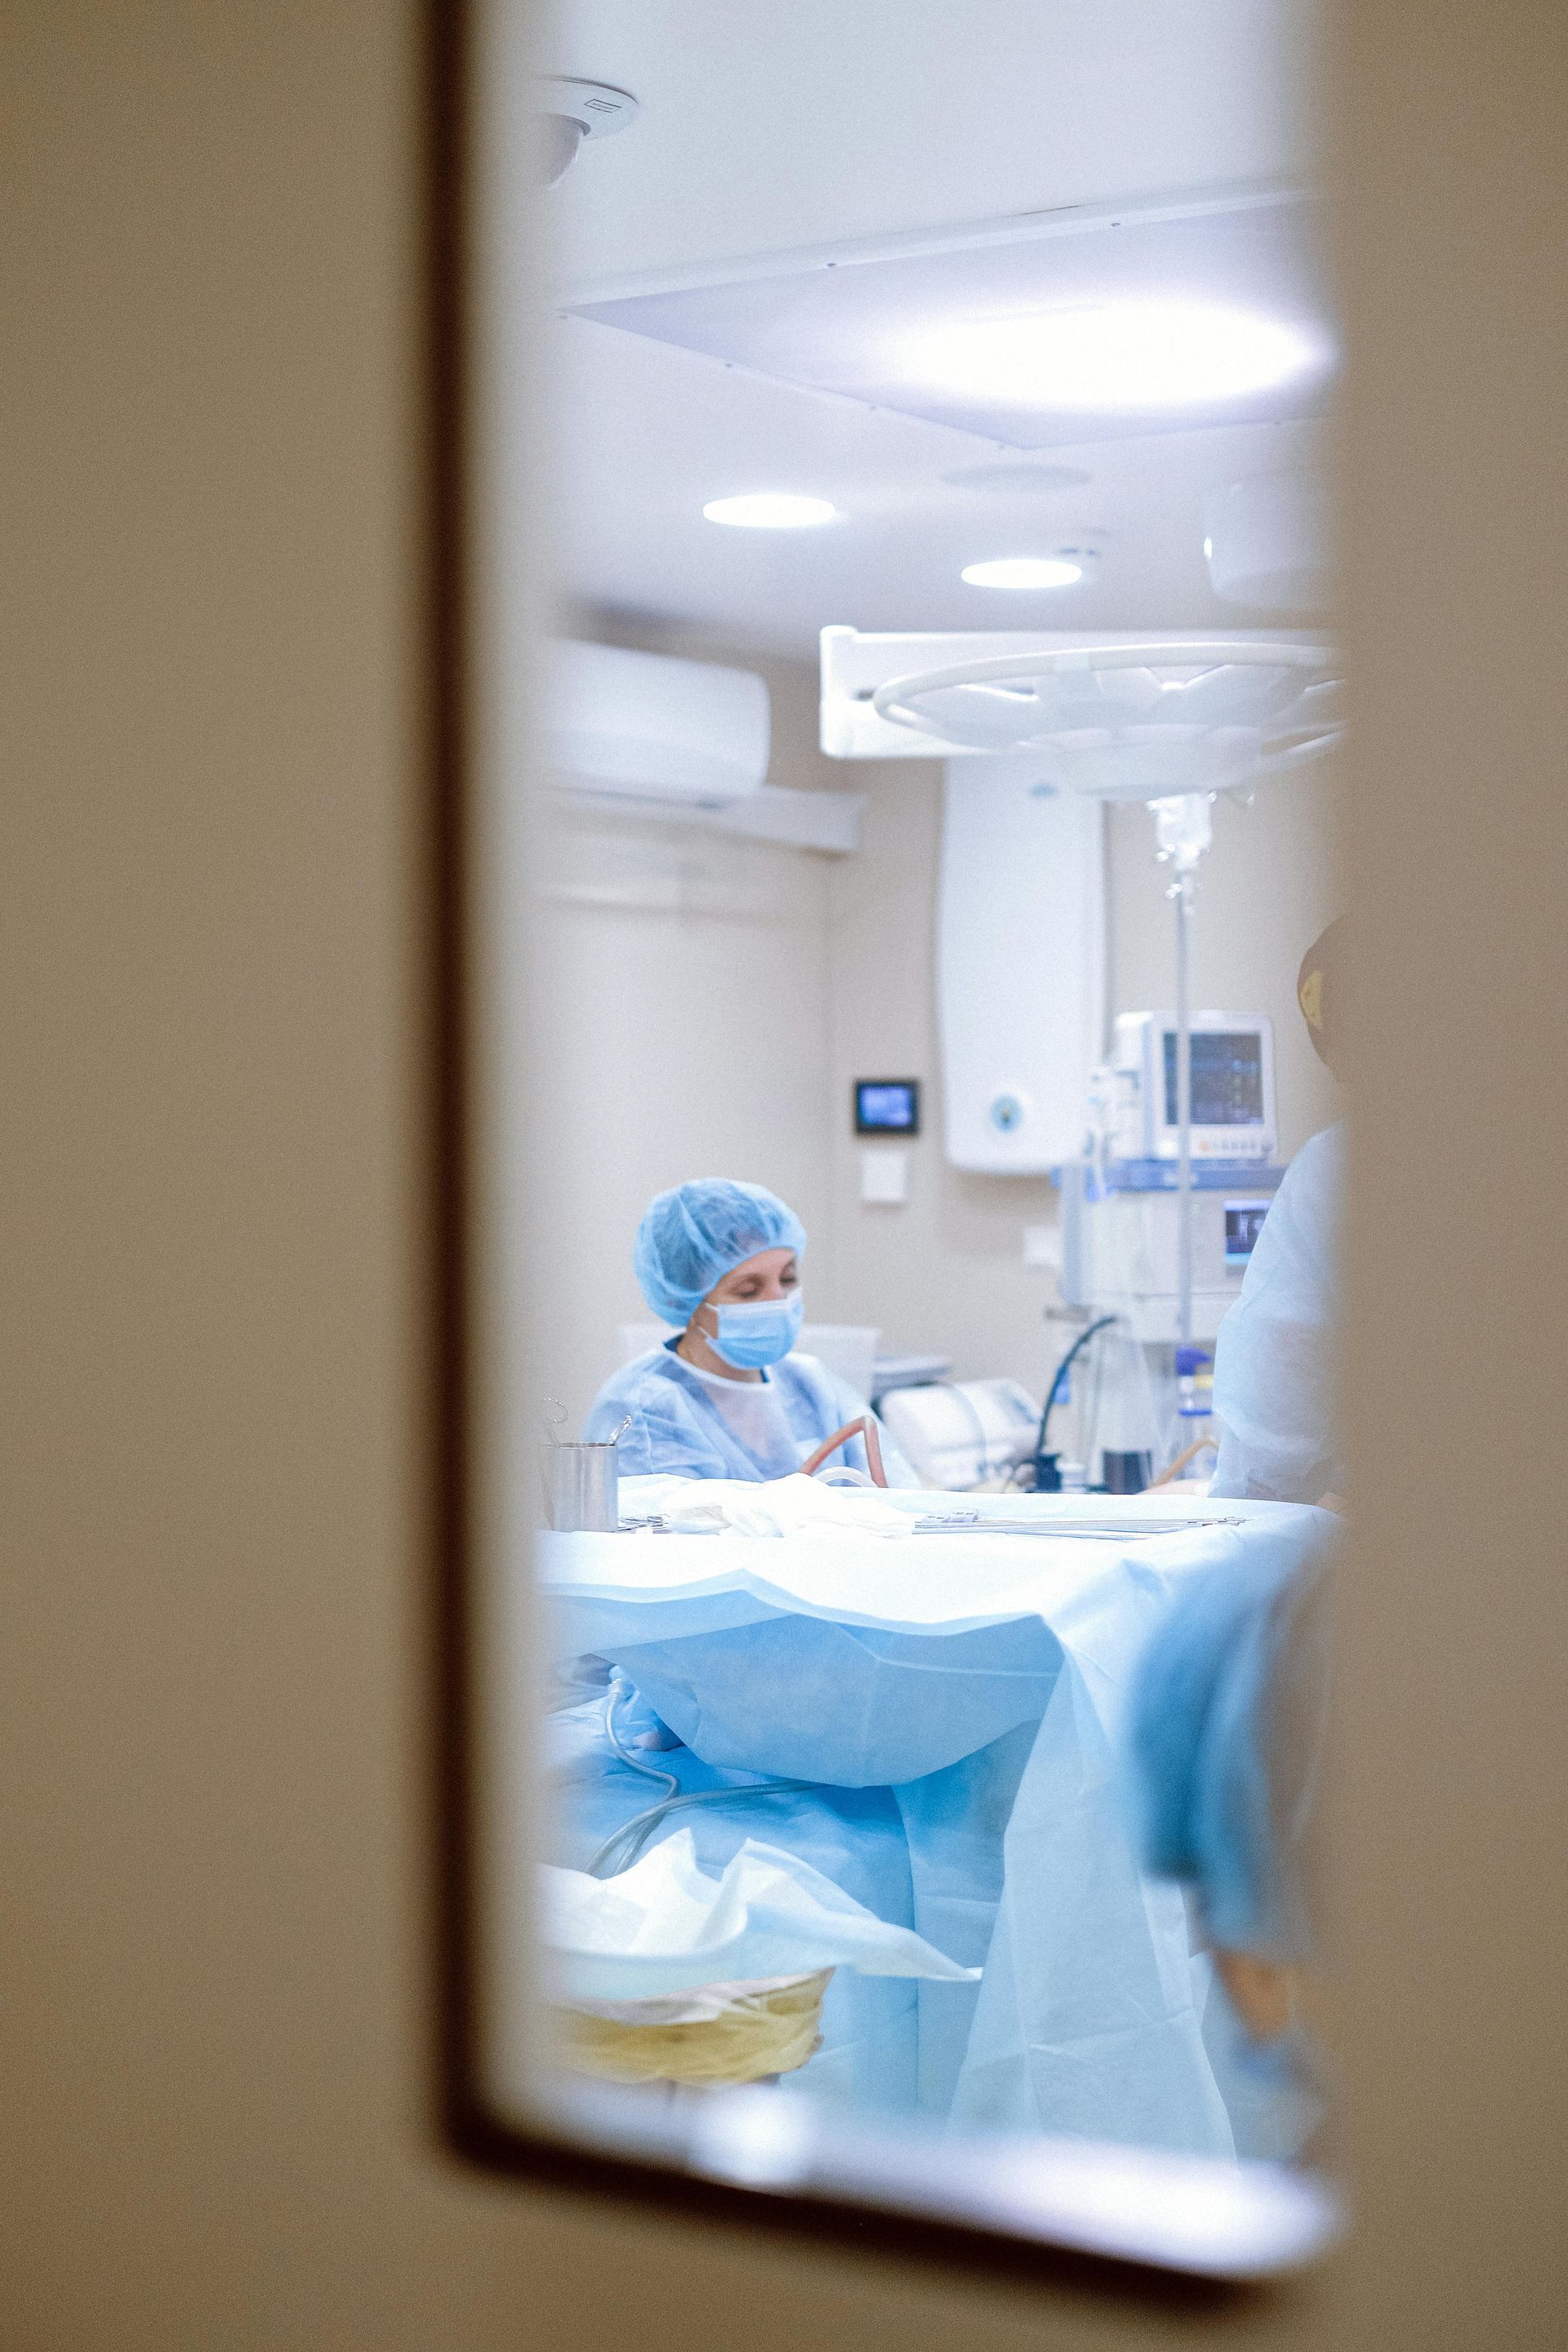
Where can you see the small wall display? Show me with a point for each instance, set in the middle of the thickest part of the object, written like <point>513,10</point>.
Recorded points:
<point>886,1106</point>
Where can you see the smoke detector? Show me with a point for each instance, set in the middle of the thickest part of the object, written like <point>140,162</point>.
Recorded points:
<point>572,110</point>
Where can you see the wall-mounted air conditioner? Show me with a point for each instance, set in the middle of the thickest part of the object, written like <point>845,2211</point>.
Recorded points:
<point>651,726</point>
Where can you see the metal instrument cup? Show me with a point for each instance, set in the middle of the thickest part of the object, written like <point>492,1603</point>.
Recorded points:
<point>581,1489</point>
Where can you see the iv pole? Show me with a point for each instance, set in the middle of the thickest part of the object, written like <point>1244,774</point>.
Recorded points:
<point>1184,897</point>
<point>1183,830</point>
<point>1183,826</point>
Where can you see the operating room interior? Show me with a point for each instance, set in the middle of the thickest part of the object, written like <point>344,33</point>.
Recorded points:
<point>904,973</point>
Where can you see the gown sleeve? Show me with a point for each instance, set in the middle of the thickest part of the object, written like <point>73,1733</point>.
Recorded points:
<point>664,1437</point>
<point>1276,1374</point>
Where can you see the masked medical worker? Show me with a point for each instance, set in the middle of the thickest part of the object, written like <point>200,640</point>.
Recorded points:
<point>726,1397</point>
<point>1276,1374</point>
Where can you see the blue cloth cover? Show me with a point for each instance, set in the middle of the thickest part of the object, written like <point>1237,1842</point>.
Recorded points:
<point>678,1420</point>
<point>1225,1736</point>
<point>1275,1374</point>
<point>855,1836</point>
<point>959,1702</point>
<point>696,1233</point>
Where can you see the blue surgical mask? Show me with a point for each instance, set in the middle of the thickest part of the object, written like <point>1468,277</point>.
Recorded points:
<point>758,1331</point>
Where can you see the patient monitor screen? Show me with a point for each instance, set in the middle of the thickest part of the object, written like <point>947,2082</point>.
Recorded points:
<point>1243,1223</point>
<point>1227,1078</point>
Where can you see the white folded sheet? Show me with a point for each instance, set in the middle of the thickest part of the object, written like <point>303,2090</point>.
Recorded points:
<point>664,1928</point>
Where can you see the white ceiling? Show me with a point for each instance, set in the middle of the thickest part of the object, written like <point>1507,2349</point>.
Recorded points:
<point>769,127</point>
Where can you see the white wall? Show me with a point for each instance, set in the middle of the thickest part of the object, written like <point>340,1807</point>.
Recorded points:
<point>684,1002</point>
<point>711,1000</point>
<point>947,1271</point>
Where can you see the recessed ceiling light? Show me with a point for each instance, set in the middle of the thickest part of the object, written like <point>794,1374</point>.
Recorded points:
<point>1023,571</point>
<point>770,511</point>
<point>1115,356</point>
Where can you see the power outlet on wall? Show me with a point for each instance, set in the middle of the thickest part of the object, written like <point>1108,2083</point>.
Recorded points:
<point>1043,1246</point>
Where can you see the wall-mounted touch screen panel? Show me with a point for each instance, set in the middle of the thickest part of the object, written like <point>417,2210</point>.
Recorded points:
<point>887,1106</point>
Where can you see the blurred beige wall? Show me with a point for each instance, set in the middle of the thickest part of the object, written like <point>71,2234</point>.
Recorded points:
<point>213,2034</point>
<point>1454,1762</point>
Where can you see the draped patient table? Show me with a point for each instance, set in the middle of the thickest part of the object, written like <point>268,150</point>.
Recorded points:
<point>955,1701</point>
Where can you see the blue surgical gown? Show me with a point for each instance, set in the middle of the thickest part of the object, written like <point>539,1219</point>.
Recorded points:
<point>1274,1372</point>
<point>693,1425</point>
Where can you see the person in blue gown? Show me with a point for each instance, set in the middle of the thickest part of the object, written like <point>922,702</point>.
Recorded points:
<point>1225,1734</point>
<point>727,1397</point>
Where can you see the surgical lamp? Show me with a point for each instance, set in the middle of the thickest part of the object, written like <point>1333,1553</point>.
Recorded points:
<point>1172,724</point>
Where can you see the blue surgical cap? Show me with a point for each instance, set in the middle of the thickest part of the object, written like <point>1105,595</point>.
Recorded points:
<point>690,1236</point>
<point>1225,1735</point>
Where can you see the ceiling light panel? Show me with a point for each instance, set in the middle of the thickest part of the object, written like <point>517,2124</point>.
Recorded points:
<point>770,511</point>
<point>1140,326</point>
<point>1024,572</point>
